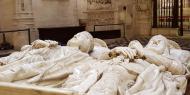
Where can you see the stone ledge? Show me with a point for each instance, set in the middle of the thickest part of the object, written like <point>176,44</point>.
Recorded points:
<point>165,31</point>
<point>4,53</point>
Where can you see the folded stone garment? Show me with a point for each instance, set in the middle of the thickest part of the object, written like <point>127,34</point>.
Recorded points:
<point>155,82</point>
<point>43,64</point>
<point>157,69</point>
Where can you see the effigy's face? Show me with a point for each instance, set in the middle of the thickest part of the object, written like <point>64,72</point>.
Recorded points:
<point>76,41</point>
<point>80,37</point>
<point>82,41</point>
<point>157,44</point>
<point>73,42</point>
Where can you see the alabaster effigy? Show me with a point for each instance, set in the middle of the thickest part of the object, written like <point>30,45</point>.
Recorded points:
<point>86,66</point>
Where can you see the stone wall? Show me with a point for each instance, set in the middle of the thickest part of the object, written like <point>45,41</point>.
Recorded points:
<point>60,13</point>
<point>6,17</point>
<point>142,19</point>
<point>55,13</point>
<point>44,13</point>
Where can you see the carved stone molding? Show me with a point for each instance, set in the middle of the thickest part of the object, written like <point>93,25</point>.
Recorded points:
<point>99,4</point>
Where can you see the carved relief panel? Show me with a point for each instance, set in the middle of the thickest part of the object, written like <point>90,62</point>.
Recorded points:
<point>99,12</point>
<point>101,17</point>
<point>143,8</point>
<point>99,4</point>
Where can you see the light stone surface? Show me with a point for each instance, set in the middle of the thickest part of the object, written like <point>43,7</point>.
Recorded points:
<point>61,13</point>
<point>46,13</point>
<point>134,70</point>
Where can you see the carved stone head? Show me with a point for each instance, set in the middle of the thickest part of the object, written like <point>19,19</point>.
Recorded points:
<point>158,44</point>
<point>83,41</point>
